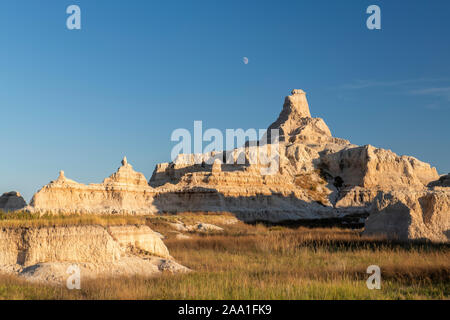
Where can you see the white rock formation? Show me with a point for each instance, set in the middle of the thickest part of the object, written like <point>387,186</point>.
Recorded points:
<point>217,166</point>
<point>140,238</point>
<point>370,167</point>
<point>319,176</point>
<point>204,227</point>
<point>45,253</point>
<point>124,192</point>
<point>411,215</point>
<point>295,109</point>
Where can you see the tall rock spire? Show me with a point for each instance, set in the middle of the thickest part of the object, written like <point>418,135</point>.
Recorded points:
<point>297,103</point>
<point>295,116</point>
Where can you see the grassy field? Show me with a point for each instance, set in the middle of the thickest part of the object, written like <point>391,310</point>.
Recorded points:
<point>260,262</point>
<point>26,219</point>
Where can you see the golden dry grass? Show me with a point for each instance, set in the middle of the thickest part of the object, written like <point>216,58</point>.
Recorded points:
<point>259,262</point>
<point>26,219</point>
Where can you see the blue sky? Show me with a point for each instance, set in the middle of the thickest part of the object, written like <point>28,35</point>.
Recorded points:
<point>79,100</point>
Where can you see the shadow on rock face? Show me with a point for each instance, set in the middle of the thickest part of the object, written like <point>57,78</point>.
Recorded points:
<point>447,234</point>
<point>12,201</point>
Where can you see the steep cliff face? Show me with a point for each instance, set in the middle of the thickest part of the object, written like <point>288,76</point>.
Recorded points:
<point>411,215</point>
<point>87,243</point>
<point>28,246</point>
<point>45,253</point>
<point>370,167</point>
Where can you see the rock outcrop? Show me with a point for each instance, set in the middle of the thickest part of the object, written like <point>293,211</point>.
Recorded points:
<point>295,109</point>
<point>140,238</point>
<point>12,201</point>
<point>370,167</point>
<point>45,253</point>
<point>412,215</point>
<point>316,176</point>
<point>28,246</point>
<point>125,192</point>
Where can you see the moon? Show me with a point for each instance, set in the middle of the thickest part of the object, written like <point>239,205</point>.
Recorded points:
<point>245,60</point>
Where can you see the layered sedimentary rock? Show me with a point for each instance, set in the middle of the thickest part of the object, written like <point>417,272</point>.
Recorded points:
<point>254,191</point>
<point>12,201</point>
<point>319,176</point>
<point>86,243</point>
<point>45,253</point>
<point>305,174</point>
<point>28,246</point>
<point>140,238</point>
<point>125,191</point>
<point>249,195</point>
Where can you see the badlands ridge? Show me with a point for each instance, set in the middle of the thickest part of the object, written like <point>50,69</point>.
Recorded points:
<point>319,177</point>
